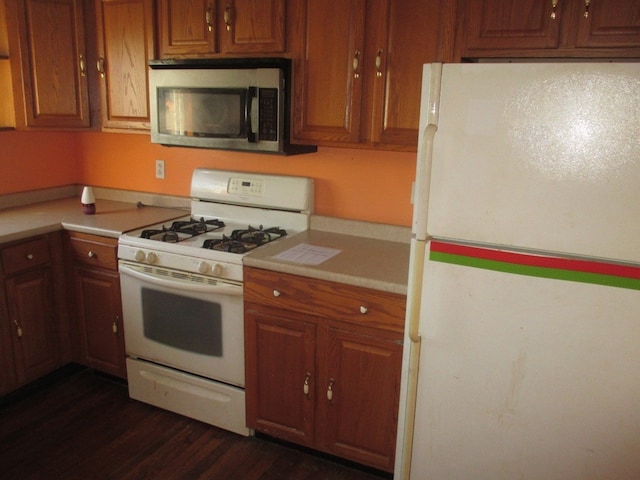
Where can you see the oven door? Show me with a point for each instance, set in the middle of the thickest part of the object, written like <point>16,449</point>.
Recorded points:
<point>185,321</point>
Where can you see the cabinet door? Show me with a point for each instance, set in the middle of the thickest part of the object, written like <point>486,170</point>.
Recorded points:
<point>279,359</point>
<point>51,66</point>
<point>361,384</point>
<point>125,45</point>
<point>395,54</point>
<point>186,27</point>
<point>32,318</point>
<point>7,363</point>
<point>252,26</point>
<point>100,315</point>
<point>514,25</point>
<point>328,71</point>
<point>609,23</point>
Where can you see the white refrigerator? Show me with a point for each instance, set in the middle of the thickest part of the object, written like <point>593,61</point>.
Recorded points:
<point>522,348</point>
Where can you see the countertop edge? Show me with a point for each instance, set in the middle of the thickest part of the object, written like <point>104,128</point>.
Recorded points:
<point>307,272</point>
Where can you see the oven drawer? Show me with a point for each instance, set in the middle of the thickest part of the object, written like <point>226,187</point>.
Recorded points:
<point>321,298</point>
<point>25,255</point>
<point>94,250</point>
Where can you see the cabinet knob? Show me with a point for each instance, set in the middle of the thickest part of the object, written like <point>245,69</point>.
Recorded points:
<point>92,254</point>
<point>207,18</point>
<point>114,326</point>
<point>330,389</point>
<point>83,66</point>
<point>18,329</point>
<point>305,387</point>
<point>379,63</point>
<point>276,293</point>
<point>363,309</point>
<point>356,64</point>
<point>100,67</point>
<point>29,256</point>
<point>227,17</point>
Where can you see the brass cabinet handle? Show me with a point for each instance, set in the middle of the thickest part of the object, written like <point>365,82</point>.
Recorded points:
<point>330,389</point>
<point>227,17</point>
<point>305,387</point>
<point>379,63</point>
<point>100,67</point>
<point>208,17</point>
<point>18,329</point>
<point>356,64</point>
<point>587,3</point>
<point>554,5</point>
<point>83,66</point>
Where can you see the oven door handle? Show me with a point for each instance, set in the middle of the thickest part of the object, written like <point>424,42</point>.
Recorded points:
<point>223,288</point>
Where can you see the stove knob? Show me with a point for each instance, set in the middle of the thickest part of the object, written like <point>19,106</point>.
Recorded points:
<point>139,256</point>
<point>218,270</point>
<point>152,257</point>
<point>204,267</point>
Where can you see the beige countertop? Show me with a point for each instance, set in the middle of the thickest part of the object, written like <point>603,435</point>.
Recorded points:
<point>361,261</point>
<point>370,255</point>
<point>111,219</point>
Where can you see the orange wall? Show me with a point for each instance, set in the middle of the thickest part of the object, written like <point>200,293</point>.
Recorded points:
<point>34,160</point>
<point>364,185</point>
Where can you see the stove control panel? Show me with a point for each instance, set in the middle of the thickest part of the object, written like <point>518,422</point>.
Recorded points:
<point>246,186</point>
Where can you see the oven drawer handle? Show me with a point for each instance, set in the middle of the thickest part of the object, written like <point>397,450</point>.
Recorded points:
<point>223,288</point>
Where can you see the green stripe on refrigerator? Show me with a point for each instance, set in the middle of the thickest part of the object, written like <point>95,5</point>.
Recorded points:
<point>574,270</point>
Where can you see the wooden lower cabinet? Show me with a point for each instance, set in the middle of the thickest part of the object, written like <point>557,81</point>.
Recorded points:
<point>326,381</point>
<point>30,323</point>
<point>96,302</point>
<point>34,330</point>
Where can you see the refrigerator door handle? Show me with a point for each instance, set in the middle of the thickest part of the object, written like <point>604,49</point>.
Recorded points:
<point>423,182</point>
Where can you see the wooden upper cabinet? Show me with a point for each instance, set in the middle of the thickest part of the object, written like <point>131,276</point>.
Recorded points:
<point>125,45</point>
<point>252,26</point>
<point>499,24</point>
<point>207,27</point>
<point>328,71</point>
<point>186,27</point>
<point>603,28</point>
<point>610,23</point>
<point>47,40</point>
<point>358,69</point>
<point>401,37</point>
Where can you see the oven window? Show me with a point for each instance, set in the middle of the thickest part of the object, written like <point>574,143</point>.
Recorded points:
<point>202,112</point>
<point>181,322</point>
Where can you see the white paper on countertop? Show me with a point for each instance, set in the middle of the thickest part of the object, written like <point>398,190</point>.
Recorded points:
<point>308,254</point>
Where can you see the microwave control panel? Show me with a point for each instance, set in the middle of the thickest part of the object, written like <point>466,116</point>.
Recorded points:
<point>268,114</point>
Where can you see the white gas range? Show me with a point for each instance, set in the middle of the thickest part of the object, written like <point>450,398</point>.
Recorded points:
<point>182,291</point>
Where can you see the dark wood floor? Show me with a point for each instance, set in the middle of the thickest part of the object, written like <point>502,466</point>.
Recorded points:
<point>84,426</point>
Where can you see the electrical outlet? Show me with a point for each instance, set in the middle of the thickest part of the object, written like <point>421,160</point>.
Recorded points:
<point>160,169</point>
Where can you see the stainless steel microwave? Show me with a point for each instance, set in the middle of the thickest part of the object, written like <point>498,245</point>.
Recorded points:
<point>230,104</point>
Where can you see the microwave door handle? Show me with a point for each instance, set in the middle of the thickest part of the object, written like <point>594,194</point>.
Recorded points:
<point>251,114</point>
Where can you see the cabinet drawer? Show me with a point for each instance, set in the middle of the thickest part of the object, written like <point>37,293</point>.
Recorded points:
<point>25,255</point>
<point>94,250</point>
<point>321,298</point>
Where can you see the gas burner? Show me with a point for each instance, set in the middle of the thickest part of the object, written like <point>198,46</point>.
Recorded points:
<point>199,226</point>
<point>243,240</point>
<point>227,244</point>
<point>164,235</point>
<point>259,236</point>
<point>182,230</point>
